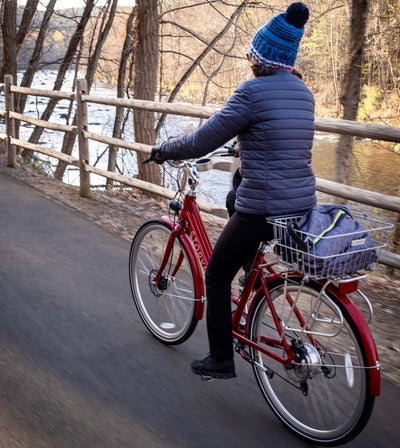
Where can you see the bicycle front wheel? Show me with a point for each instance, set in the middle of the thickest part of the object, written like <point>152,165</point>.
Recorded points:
<point>325,396</point>
<point>167,310</point>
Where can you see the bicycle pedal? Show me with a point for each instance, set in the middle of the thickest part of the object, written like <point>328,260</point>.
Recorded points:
<point>243,353</point>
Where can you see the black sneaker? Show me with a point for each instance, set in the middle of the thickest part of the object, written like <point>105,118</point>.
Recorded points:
<point>210,368</point>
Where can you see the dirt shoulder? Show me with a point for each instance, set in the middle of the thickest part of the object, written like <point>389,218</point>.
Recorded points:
<point>122,212</point>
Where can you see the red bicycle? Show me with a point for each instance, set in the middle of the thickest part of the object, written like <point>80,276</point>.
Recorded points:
<point>311,350</point>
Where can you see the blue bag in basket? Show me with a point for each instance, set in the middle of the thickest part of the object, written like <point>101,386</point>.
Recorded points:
<point>329,242</point>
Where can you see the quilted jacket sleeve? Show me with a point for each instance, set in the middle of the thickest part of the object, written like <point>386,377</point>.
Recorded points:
<point>224,125</point>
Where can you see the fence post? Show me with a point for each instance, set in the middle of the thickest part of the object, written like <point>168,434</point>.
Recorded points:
<point>10,122</point>
<point>82,123</point>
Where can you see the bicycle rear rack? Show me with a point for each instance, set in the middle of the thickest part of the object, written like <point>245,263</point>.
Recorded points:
<point>319,317</point>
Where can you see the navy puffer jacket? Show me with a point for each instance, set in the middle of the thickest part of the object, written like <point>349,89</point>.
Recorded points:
<point>273,119</point>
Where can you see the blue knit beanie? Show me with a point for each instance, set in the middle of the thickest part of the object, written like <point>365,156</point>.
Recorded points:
<point>277,42</point>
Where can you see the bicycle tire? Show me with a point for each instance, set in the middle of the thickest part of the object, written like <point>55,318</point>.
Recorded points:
<point>168,313</point>
<point>338,403</point>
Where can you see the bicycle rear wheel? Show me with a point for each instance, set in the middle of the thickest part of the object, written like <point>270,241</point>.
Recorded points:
<point>167,310</point>
<point>325,397</point>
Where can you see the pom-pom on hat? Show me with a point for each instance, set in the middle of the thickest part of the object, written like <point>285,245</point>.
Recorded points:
<point>277,42</point>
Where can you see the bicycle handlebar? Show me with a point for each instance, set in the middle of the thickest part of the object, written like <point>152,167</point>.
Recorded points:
<point>228,150</point>
<point>203,164</point>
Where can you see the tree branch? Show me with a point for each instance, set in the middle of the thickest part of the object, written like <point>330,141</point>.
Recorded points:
<point>201,56</point>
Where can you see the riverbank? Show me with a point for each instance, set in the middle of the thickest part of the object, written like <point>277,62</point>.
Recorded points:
<point>122,212</point>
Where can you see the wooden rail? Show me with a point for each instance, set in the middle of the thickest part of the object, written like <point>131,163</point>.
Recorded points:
<point>337,126</point>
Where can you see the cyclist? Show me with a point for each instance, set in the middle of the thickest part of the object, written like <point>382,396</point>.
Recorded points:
<point>272,117</point>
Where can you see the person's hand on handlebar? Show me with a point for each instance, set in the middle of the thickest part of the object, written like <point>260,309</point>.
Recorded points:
<point>155,156</point>
<point>233,149</point>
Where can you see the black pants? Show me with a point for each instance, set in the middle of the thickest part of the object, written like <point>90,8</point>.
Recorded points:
<point>237,243</point>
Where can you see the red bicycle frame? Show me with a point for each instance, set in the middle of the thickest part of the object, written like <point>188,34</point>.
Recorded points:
<point>189,228</point>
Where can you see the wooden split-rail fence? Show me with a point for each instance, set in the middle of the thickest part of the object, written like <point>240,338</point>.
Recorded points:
<point>82,98</point>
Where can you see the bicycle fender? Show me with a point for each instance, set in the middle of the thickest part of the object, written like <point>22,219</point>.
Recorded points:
<point>199,294</point>
<point>367,341</point>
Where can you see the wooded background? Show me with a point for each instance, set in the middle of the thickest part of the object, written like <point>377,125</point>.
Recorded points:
<point>195,51</point>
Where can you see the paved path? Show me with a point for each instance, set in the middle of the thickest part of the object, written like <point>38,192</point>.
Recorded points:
<point>79,370</point>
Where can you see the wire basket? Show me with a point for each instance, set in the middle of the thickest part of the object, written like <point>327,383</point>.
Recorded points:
<point>329,256</point>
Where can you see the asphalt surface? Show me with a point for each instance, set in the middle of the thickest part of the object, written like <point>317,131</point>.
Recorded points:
<point>78,368</point>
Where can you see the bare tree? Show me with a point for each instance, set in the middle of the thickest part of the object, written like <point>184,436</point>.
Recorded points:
<point>197,61</point>
<point>106,21</point>
<point>27,16</point>
<point>146,71</point>
<point>62,71</point>
<point>14,37</point>
<point>126,54</point>
<point>9,30</point>
<point>34,61</point>
<point>351,86</point>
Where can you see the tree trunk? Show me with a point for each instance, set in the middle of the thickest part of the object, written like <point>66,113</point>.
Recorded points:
<point>106,23</point>
<point>9,29</point>
<point>146,70</point>
<point>126,52</point>
<point>33,63</point>
<point>27,16</point>
<point>65,64</point>
<point>351,87</point>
